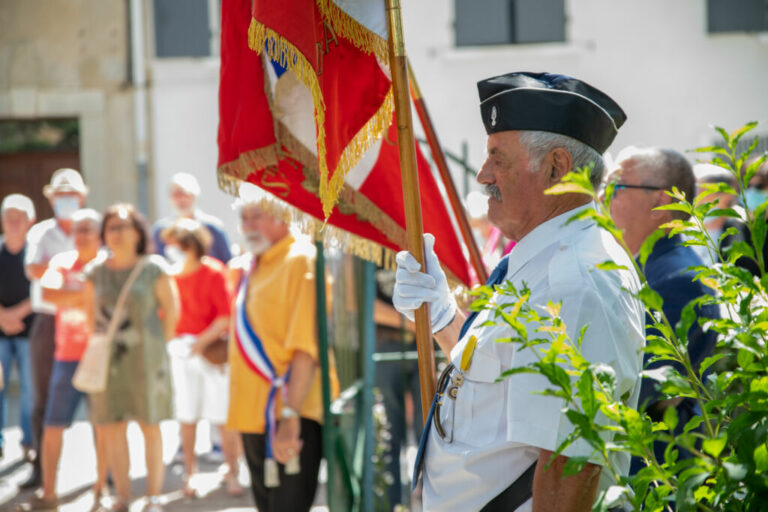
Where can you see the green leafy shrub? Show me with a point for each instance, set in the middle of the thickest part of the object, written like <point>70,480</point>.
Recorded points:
<point>729,440</point>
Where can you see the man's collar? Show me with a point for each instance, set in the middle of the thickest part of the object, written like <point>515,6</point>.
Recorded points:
<point>277,251</point>
<point>545,234</point>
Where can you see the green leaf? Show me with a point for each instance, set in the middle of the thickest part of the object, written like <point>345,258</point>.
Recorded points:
<point>761,458</point>
<point>574,465</point>
<point>723,134</point>
<point>648,243</point>
<point>740,132</point>
<point>711,149</point>
<point>670,418</point>
<point>587,394</point>
<point>709,361</point>
<point>744,358</point>
<point>714,447</point>
<point>759,228</point>
<point>610,265</point>
<point>567,188</point>
<point>650,298</point>
<point>693,424</point>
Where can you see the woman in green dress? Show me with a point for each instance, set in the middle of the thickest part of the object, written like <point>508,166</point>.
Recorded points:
<point>139,382</point>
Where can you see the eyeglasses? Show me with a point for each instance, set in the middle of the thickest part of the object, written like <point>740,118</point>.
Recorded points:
<point>623,186</point>
<point>114,228</point>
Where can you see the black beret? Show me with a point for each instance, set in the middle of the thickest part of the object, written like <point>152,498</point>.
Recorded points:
<point>550,103</point>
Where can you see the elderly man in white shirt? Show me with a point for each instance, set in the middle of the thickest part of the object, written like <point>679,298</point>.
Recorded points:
<point>66,193</point>
<point>489,444</point>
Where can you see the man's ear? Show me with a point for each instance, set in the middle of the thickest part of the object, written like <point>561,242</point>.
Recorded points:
<point>660,200</point>
<point>561,164</point>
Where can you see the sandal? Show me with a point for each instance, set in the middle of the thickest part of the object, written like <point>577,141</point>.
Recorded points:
<point>36,503</point>
<point>153,505</point>
<point>233,486</point>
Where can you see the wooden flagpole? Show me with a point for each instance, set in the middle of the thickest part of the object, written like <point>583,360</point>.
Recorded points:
<point>411,197</point>
<point>442,166</point>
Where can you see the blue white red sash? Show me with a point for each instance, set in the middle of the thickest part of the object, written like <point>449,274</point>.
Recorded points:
<point>252,350</point>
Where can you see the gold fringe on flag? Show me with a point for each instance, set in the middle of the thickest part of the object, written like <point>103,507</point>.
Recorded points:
<point>331,236</point>
<point>350,29</point>
<point>282,51</point>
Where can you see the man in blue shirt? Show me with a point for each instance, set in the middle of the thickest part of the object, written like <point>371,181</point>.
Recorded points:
<point>643,176</point>
<point>184,191</point>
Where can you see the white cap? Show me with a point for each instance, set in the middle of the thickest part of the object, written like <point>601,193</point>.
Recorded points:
<point>87,214</point>
<point>19,202</point>
<point>186,182</point>
<point>65,180</point>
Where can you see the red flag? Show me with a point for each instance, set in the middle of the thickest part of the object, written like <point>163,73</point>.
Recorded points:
<point>316,129</point>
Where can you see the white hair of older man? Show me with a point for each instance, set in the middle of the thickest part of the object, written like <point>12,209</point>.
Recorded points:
<point>539,144</point>
<point>186,182</point>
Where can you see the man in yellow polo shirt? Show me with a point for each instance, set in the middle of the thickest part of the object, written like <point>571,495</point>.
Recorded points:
<point>275,390</point>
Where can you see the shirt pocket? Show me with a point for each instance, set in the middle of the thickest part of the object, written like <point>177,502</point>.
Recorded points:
<point>480,402</point>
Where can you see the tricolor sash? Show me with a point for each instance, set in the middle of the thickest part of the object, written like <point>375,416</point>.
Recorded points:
<point>252,350</point>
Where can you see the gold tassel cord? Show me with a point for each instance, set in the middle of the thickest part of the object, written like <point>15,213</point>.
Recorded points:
<point>363,140</point>
<point>350,29</point>
<point>278,49</point>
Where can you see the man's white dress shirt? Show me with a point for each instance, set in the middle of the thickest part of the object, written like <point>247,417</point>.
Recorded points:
<point>499,427</point>
<point>44,240</point>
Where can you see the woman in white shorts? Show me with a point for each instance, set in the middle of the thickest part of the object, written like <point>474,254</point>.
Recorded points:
<point>201,389</point>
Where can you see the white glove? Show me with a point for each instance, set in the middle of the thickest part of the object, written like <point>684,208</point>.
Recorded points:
<point>412,287</point>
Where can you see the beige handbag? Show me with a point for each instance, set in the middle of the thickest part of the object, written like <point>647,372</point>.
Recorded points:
<point>91,373</point>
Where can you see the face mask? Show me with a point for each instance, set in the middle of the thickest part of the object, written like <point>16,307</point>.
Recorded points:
<point>755,197</point>
<point>175,254</point>
<point>65,207</point>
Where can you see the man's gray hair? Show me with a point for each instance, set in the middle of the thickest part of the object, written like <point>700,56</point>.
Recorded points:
<point>539,144</point>
<point>663,167</point>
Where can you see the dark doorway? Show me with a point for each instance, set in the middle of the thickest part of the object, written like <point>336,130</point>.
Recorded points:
<point>30,151</point>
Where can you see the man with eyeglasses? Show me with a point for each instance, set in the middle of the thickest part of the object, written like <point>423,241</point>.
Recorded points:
<point>643,177</point>
<point>487,443</point>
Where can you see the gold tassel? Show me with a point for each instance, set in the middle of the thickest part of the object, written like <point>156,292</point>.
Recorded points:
<point>271,473</point>
<point>293,467</point>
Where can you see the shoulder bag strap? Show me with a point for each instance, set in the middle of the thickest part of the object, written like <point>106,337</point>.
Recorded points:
<point>117,313</point>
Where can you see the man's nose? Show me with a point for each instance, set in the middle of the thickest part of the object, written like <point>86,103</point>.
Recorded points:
<point>483,175</point>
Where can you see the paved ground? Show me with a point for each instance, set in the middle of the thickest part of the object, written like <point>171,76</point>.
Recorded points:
<point>77,471</point>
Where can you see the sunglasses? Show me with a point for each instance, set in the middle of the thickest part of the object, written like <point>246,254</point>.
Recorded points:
<point>624,186</point>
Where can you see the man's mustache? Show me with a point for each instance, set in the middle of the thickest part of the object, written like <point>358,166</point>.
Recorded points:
<point>493,191</point>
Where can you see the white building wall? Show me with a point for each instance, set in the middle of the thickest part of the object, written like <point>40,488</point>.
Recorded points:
<point>185,119</point>
<point>655,58</point>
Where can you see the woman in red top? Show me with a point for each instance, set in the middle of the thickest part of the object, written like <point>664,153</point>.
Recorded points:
<point>201,390</point>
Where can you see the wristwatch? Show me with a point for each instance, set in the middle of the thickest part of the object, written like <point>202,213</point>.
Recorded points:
<point>287,413</point>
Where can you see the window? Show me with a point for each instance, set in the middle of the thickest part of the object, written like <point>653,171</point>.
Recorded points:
<point>486,22</point>
<point>186,29</point>
<point>737,15</point>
